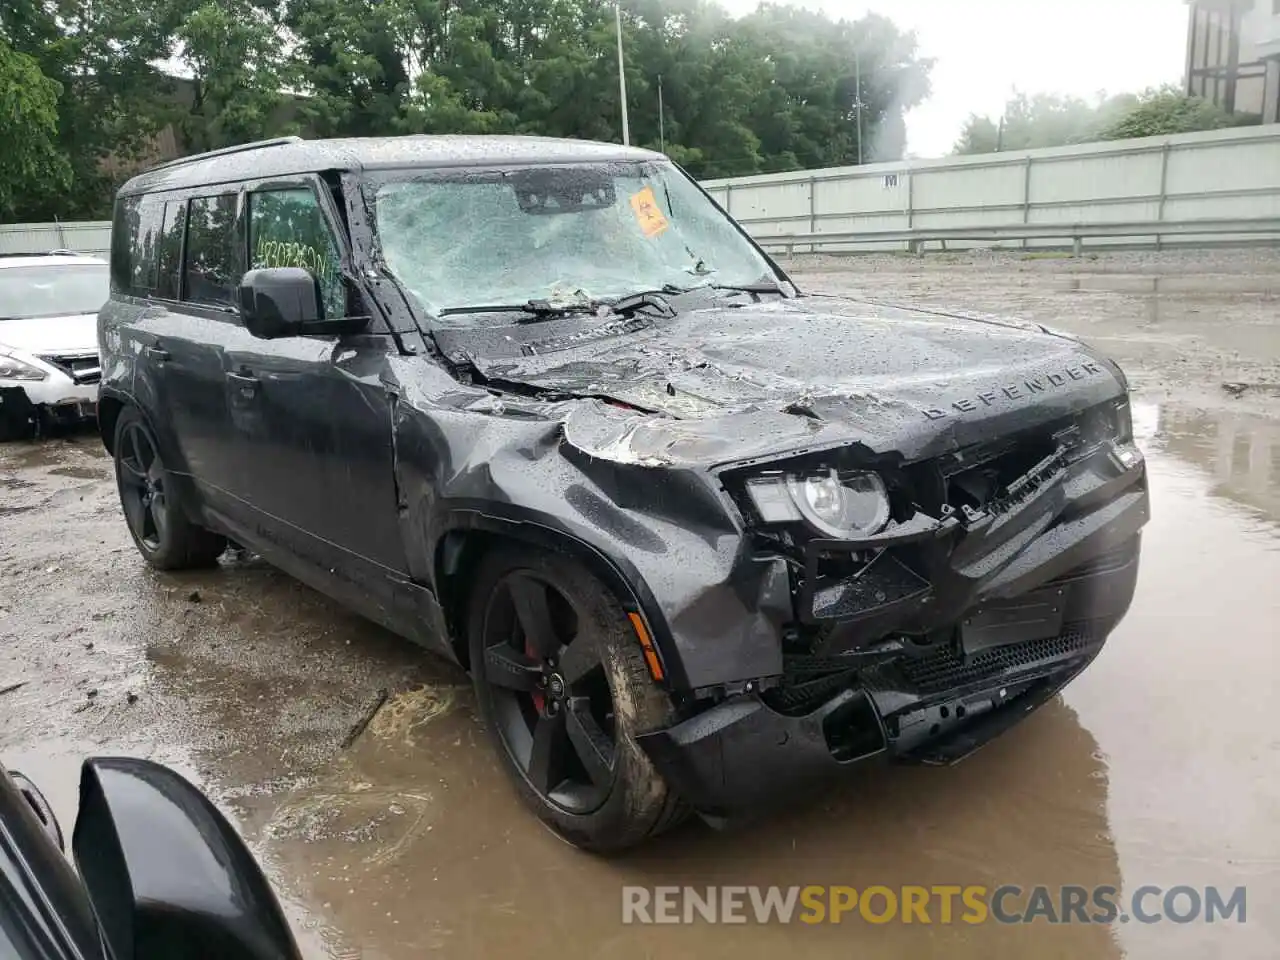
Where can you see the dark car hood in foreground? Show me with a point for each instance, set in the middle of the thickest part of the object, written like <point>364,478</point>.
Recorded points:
<point>737,382</point>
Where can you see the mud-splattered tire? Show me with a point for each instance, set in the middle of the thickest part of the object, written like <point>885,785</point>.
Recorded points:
<point>152,503</point>
<point>563,690</point>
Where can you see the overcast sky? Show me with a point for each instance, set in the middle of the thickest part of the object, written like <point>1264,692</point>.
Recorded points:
<point>984,48</point>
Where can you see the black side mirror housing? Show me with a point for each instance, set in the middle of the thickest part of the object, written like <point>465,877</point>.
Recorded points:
<point>286,302</point>
<point>166,874</point>
<point>277,301</point>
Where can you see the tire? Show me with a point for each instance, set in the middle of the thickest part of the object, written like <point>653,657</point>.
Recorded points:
<point>152,503</point>
<point>614,798</point>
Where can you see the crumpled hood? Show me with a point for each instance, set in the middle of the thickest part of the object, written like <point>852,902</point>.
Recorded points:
<point>50,335</point>
<point>766,377</point>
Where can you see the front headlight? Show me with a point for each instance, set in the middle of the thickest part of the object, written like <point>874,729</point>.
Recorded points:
<point>11,368</point>
<point>841,507</point>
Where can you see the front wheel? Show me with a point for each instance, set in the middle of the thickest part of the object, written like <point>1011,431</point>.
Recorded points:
<point>152,502</point>
<point>563,689</point>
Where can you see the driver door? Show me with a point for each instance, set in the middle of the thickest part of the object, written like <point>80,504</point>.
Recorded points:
<point>310,417</point>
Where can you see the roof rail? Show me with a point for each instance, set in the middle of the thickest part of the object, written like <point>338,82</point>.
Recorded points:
<point>225,151</point>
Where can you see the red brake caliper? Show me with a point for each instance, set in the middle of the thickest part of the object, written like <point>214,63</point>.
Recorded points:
<point>539,698</point>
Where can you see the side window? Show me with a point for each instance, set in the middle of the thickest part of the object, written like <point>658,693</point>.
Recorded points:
<point>135,234</point>
<point>214,264</point>
<point>124,227</point>
<point>170,258</point>
<point>288,229</point>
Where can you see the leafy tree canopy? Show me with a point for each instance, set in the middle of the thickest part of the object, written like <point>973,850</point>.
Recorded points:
<point>1047,120</point>
<point>779,89</point>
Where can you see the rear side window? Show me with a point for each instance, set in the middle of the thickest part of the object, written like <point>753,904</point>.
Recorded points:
<point>214,261</point>
<point>287,229</point>
<point>169,261</point>
<point>135,235</point>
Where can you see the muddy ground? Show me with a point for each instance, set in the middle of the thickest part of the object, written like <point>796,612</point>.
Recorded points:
<point>1160,765</point>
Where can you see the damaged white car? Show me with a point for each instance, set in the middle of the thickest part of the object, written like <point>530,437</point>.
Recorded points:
<point>49,368</point>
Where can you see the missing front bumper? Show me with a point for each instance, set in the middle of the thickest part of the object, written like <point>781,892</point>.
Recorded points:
<point>742,756</point>
<point>933,704</point>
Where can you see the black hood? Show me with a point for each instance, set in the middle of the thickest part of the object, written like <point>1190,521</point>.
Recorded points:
<point>747,379</point>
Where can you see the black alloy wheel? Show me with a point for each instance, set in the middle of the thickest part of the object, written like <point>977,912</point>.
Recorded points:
<point>142,486</point>
<point>155,508</point>
<point>552,702</point>
<point>564,691</point>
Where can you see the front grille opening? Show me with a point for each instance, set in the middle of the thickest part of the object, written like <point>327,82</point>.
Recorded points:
<point>800,694</point>
<point>978,486</point>
<point>82,369</point>
<point>947,668</point>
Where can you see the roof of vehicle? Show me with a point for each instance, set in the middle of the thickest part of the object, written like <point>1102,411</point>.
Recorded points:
<point>49,260</point>
<point>290,156</point>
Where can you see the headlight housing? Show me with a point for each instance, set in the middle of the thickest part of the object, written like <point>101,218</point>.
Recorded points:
<point>842,507</point>
<point>11,368</point>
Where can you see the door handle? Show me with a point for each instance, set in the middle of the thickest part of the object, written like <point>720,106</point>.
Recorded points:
<point>245,386</point>
<point>158,354</point>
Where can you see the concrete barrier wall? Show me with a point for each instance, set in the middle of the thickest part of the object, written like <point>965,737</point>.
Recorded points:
<point>1225,174</point>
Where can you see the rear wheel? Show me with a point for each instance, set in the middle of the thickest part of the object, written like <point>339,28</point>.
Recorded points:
<point>563,690</point>
<point>152,502</point>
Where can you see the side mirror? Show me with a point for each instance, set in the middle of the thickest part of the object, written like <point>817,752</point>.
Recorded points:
<point>166,874</point>
<point>278,301</point>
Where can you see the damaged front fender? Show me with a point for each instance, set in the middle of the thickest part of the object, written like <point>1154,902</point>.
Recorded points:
<point>665,541</point>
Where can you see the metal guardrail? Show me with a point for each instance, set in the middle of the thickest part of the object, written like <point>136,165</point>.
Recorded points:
<point>1077,233</point>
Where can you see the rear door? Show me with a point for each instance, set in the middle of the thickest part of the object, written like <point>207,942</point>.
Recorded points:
<point>310,416</point>
<point>180,327</point>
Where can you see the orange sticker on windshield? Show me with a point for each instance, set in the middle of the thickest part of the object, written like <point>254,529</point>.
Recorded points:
<point>650,216</point>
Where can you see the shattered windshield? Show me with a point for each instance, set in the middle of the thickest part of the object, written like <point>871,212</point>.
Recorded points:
<point>561,234</point>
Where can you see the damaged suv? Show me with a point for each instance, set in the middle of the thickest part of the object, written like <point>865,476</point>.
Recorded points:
<point>542,406</point>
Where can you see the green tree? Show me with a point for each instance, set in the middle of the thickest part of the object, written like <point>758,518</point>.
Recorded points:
<point>231,48</point>
<point>1048,120</point>
<point>1167,110</point>
<point>31,165</point>
<point>113,98</point>
<point>350,63</point>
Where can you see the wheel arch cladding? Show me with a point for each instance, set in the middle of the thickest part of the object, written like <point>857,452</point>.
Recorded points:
<point>109,409</point>
<point>459,551</point>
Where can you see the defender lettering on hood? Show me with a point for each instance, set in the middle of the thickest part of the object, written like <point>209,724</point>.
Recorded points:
<point>1016,391</point>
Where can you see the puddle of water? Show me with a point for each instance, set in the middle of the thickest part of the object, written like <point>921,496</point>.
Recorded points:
<point>1182,699</point>
<point>1239,452</point>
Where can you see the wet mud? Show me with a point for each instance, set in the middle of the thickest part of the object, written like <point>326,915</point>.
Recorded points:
<point>1160,765</point>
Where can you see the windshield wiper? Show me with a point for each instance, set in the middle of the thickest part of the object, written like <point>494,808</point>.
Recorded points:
<point>533,310</point>
<point>763,286</point>
<point>656,299</point>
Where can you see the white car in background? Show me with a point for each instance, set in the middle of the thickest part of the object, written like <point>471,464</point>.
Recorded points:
<point>49,369</point>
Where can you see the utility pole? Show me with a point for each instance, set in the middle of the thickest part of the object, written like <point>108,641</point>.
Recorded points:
<point>857,94</point>
<point>662,119</point>
<point>622,76</point>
